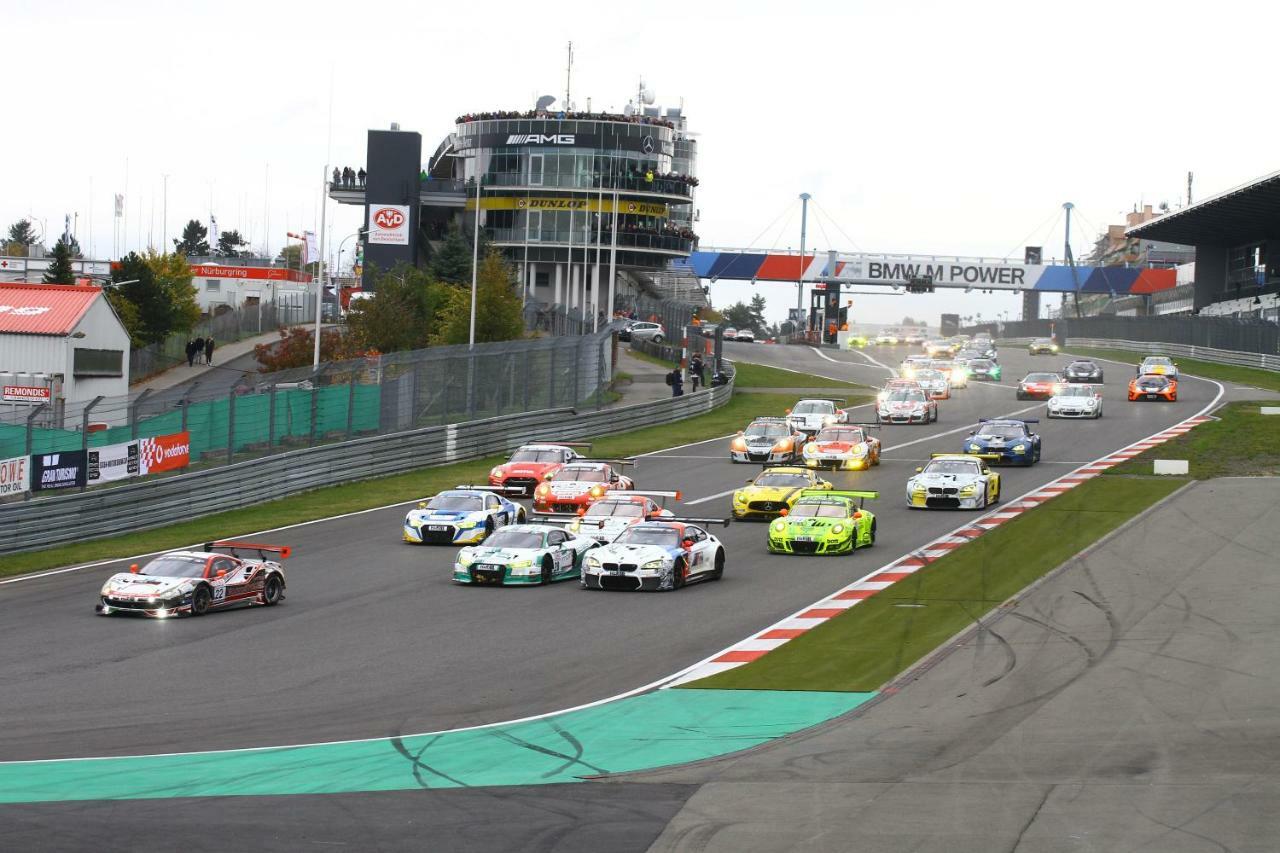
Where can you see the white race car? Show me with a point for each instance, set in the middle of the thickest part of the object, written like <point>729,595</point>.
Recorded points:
<point>905,403</point>
<point>934,383</point>
<point>954,481</point>
<point>1158,365</point>
<point>523,554</point>
<point>809,416</point>
<point>1076,401</point>
<point>194,582</point>
<point>657,556</point>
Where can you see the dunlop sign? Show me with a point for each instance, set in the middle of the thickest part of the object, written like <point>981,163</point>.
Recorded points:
<point>576,205</point>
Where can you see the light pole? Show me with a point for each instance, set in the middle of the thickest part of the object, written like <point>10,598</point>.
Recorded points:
<point>804,224</point>
<point>164,217</point>
<point>324,207</point>
<point>475,262</point>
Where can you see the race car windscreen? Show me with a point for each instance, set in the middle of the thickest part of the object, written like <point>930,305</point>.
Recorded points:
<point>663,536</point>
<point>767,431</point>
<point>457,503</point>
<point>175,567</point>
<point>813,407</point>
<point>1153,383</point>
<point>537,456</point>
<point>582,475</point>
<point>781,481</point>
<point>819,510</point>
<point>1040,377</point>
<point>1158,361</point>
<point>952,466</point>
<point>1082,366</point>
<point>980,364</point>
<point>506,538</point>
<point>906,395</point>
<point>851,436</point>
<point>1000,431</point>
<point>616,509</point>
<point>1076,391</point>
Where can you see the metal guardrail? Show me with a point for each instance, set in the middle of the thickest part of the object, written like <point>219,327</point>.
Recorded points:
<point>153,503</point>
<point>1261,361</point>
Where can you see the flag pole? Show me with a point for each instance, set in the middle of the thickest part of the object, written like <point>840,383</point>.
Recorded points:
<point>324,197</point>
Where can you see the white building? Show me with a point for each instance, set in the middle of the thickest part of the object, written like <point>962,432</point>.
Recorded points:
<point>60,344</point>
<point>237,284</point>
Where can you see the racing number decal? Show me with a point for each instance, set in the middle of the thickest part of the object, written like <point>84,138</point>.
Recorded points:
<point>220,592</point>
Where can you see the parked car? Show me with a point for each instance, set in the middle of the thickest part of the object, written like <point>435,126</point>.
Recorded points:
<point>639,330</point>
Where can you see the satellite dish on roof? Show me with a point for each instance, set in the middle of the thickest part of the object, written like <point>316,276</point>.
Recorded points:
<point>544,102</point>
<point>646,96</point>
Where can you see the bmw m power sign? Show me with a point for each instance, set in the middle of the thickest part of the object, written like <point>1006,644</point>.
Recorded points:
<point>389,224</point>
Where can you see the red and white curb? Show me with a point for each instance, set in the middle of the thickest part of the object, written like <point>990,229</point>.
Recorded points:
<point>810,617</point>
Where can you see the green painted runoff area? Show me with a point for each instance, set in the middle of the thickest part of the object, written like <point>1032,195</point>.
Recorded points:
<point>642,732</point>
<point>207,422</point>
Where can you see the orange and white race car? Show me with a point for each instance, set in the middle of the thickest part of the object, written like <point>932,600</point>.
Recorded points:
<point>605,519</point>
<point>1153,387</point>
<point>846,447</point>
<point>579,484</point>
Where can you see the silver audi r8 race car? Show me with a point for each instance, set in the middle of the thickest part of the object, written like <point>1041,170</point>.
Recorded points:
<point>657,556</point>
<point>462,515</point>
<point>522,555</point>
<point>191,583</point>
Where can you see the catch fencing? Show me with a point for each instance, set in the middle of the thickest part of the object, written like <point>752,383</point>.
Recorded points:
<point>1213,333</point>
<point>1217,356</point>
<point>153,502</point>
<point>229,418</point>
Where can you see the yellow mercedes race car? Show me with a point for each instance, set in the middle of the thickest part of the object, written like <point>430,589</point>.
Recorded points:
<point>774,490</point>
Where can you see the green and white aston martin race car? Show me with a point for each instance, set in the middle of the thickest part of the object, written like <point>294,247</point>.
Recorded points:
<point>523,554</point>
<point>825,522</point>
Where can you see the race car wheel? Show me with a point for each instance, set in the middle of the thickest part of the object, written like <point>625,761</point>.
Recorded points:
<point>546,570</point>
<point>718,571</point>
<point>272,591</point>
<point>872,538</point>
<point>200,600</point>
<point>521,516</point>
<point>488,527</point>
<point>677,573</point>
<point>995,496</point>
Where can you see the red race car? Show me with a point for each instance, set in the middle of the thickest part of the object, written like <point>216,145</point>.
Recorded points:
<point>1153,387</point>
<point>532,463</point>
<point>1039,386</point>
<point>579,484</point>
<point>843,447</point>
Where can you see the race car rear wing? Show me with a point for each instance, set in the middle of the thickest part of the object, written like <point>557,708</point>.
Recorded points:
<point>684,520</point>
<point>990,457</point>
<point>282,551</point>
<point>502,490</point>
<point>584,444</point>
<point>623,462</point>
<point>1016,420</point>
<point>860,496</point>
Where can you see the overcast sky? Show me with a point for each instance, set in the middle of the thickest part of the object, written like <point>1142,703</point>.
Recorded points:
<point>927,127</point>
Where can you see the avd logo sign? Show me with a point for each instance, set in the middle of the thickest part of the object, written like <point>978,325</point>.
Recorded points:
<point>389,224</point>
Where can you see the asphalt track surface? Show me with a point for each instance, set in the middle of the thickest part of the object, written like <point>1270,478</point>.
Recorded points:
<point>374,640</point>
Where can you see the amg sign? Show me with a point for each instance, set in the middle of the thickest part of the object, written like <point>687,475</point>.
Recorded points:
<point>540,139</point>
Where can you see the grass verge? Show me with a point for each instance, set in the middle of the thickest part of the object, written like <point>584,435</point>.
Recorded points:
<point>867,646</point>
<point>1242,442</point>
<point>762,376</point>
<point>1267,379</point>
<point>365,494</point>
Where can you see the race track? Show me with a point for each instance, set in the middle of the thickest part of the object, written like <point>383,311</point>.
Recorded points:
<point>374,639</point>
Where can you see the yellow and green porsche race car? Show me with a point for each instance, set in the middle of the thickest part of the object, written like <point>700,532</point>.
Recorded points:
<point>774,490</point>
<point>825,521</point>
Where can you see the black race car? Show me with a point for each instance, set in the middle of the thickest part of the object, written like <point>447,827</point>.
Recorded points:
<point>1083,370</point>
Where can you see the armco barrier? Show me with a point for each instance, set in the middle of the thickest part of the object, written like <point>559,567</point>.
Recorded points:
<point>152,503</point>
<point>1217,356</point>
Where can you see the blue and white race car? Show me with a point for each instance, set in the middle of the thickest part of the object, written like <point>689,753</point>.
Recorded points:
<point>460,516</point>
<point>657,556</point>
<point>523,554</point>
<point>1009,439</point>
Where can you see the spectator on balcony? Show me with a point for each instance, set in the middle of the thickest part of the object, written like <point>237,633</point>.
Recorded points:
<point>360,176</point>
<point>648,179</point>
<point>337,177</point>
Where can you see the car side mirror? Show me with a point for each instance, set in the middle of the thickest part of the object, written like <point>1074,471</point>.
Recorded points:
<point>687,543</point>
<point>582,510</point>
<point>788,411</point>
<point>919,470</point>
<point>222,573</point>
<point>548,475</point>
<point>134,568</point>
<point>784,512</point>
<point>422,504</point>
<point>749,482</point>
<point>739,432</point>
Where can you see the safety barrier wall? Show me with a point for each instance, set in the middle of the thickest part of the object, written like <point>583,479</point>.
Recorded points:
<point>154,502</point>
<point>1217,356</point>
<point>1229,334</point>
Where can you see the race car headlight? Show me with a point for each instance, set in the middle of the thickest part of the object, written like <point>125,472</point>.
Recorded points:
<point>829,419</point>
<point>520,564</point>
<point>465,558</point>
<point>739,497</point>
<point>465,525</point>
<point>543,489</point>
<point>783,446</point>
<point>810,450</point>
<point>969,489</point>
<point>974,447</point>
<point>779,526</point>
<point>838,529</point>
<point>1019,448</point>
<point>654,564</point>
<point>593,563</point>
<point>597,491</point>
<point>1090,403</point>
<point>575,525</point>
<point>859,450</point>
<point>739,445</point>
<point>496,472</point>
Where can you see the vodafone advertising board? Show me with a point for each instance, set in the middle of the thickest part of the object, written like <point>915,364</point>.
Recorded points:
<point>27,394</point>
<point>389,224</point>
<point>164,453</point>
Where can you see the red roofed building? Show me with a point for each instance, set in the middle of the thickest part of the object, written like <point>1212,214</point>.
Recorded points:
<point>59,344</point>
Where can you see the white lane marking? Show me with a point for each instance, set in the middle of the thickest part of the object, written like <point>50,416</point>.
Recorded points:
<point>686,444</point>
<point>821,354</point>
<point>711,497</point>
<point>954,431</point>
<point>803,373</point>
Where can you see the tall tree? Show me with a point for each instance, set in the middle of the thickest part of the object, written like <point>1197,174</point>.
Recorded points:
<point>73,245</point>
<point>499,315</point>
<point>60,271</point>
<point>402,314</point>
<point>451,263</point>
<point>22,237</point>
<point>738,316</point>
<point>757,307</point>
<point>160,291</point>
<point>194,242</point>
<point>230,244</point>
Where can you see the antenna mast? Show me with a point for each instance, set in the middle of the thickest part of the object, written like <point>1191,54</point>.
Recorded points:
<point>568,77</point>
<point>1189,177</point>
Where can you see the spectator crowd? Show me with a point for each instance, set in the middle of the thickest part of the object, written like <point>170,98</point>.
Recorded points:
<point>348,178</point>
<point>563,115</point>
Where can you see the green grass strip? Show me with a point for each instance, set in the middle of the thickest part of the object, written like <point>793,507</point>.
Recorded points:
<point>762,376</point>
<point>1243,442</point>
<point>365,494</point>
<point>1268,379</point>
<point>874,641</point>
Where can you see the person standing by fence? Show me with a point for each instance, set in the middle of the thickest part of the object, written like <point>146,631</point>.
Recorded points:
<point>208,350</point>
<point>191,353</point>
<point>697,373</point>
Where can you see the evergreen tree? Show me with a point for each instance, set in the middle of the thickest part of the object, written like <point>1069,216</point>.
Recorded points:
<point>230,244</point>
<point>160,291</point>
<point>22,237</point>
<point>194,242</point>
<point>451,263</point>
<point>402,314</point>
<point>499,314</point>
<point>756,309</point>
<point>60,271</point>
